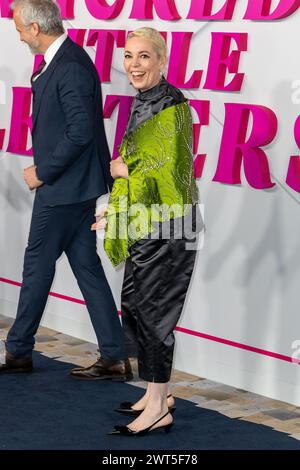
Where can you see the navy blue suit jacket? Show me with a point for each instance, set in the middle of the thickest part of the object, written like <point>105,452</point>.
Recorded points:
<point>69,143</point>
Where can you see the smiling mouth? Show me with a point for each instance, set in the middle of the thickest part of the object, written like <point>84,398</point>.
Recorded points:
<point>137,75</point>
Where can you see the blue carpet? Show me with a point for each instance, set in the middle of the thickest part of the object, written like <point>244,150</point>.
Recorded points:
<point>49,410</point>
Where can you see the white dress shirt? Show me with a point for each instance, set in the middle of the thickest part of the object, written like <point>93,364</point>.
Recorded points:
<point>51,51</point>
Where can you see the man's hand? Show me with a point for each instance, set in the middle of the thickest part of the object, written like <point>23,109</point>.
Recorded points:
<point>31,179</point>
<point>101,220</point>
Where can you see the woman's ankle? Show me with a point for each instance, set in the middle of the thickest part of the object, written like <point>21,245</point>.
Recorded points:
<point>141,403</point>
<point>157,406</point>
<point>170,400</point>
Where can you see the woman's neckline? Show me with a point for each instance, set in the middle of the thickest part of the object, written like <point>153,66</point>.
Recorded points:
<point>156,90</point>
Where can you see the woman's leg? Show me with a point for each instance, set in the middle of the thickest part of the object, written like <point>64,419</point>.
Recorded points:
<point>141,404</point>
<point>128,309</point>
<point>156,407</point>
<point>129,322</point>
<point>162,270</point>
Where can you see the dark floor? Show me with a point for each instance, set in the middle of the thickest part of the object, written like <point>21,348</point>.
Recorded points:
<point>228,401</point>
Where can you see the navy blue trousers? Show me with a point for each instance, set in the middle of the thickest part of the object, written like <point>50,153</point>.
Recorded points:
<point>54,230</point>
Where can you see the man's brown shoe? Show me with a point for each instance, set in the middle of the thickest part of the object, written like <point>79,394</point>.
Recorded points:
<point>105,369</point>
<point>14,365</point>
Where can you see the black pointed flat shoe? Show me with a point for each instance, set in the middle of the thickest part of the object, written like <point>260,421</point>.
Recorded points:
<point>126,431</point>
<point>126,408</point>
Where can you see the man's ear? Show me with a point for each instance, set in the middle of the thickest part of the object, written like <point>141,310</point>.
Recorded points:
<point>35,28</point>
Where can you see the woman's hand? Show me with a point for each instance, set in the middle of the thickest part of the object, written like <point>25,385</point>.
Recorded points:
<point>101,220</point>
<point>118,169</point>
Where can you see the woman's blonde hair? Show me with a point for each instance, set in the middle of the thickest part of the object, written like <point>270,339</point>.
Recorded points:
<point>154,36</point>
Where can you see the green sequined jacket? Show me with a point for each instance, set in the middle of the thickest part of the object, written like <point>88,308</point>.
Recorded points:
<point>161,183</point>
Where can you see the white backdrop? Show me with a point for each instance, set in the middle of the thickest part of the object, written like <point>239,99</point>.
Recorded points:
<point>241,318</point>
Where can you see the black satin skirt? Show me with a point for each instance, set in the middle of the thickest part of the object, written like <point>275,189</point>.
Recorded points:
<point>156,281</point>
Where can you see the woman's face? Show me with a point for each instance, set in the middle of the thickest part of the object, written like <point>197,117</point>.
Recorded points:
<point>142,64</point>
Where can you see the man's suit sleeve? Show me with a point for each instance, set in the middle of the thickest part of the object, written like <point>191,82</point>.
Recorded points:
<point>76,93</point>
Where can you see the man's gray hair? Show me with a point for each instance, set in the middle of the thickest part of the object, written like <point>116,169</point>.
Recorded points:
<point>44,12</point>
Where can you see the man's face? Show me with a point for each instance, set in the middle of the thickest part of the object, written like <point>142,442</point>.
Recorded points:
<point>27,34</point>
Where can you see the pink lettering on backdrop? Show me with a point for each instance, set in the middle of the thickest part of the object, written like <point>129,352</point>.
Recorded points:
<point>77,35</point>
<point>2,135</point>
<point>20,122</point>
<point>260,9</point>
<point>222,61</point>
<point>179,55</point>
<point>202,110</point>
<point>124,104</point>
<point>5,8</point>
<point>103,10</point>
<point>235,147</point>
<point>293,175</point>
<point>105,40</point>
<point>202,10</point>
<point>66,8</point>
<point>165,9</point>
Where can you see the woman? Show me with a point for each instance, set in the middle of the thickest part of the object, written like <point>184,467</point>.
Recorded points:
<point>154,192</point>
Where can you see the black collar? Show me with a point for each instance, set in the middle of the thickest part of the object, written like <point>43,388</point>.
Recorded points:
<point>155,92</point>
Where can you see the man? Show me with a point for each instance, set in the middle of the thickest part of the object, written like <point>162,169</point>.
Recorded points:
<point>70,171</point>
